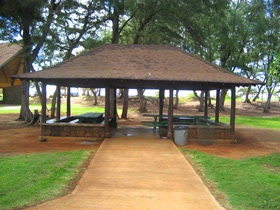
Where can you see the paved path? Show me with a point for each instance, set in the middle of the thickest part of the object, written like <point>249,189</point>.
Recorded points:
<point>137,173</point>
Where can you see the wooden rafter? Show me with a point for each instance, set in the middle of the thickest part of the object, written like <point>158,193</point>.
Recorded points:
<point>17,71</point>
<point>7,75</point>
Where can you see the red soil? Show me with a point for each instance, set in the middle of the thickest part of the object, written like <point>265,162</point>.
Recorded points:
<point>16,137</point>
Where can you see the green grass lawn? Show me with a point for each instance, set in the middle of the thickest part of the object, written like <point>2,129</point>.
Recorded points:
<point>74,109</point>
<point>258,122</point>
<point>252,183</point>
<point>33,178</point>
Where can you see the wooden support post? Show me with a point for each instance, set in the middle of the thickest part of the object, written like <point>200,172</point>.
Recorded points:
<point>115,113</point>
<point>206,104</point>
<point>68,102</point>
<point>170,115</point>
<point>44,102</point>
<point>58,105</point>
<point>161,102</point>
<point>232,113</point>
<point>217,110</point>
<point>107,112</point>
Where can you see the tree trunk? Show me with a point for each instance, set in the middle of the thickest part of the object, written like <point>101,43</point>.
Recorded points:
<point>84,91</point>
<point>25,113</point>
<point>222,99</point>
<point>176,100</point>
<point>54,103</point>
<point>257,95</point>
<point>267,104</point>
<point>209,101</point>
<point>94,92</point>
<point>121,93</point>
<point>116,22</point>
<point>29,57</point>
<point>200,99</point>
<point>247,100</point>
<point>125,104</point>
<point>143,101</point>
<point>39,92</point>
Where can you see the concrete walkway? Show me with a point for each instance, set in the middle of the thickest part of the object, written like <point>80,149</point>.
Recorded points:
<point>137,173</point>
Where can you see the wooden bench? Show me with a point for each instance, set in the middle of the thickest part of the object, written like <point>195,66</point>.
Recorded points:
<point>162,120</point>
<point>155,124</point>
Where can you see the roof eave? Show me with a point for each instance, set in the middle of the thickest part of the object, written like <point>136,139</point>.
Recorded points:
<point>11,58</point>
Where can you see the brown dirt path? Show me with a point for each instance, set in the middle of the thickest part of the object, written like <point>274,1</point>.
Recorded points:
<point>137,173</point>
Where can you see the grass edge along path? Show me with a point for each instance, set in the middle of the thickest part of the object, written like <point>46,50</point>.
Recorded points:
<point>251,183</point>
<point>30,179</point>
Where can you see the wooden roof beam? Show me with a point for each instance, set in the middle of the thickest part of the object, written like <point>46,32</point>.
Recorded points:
<point>9,81</point>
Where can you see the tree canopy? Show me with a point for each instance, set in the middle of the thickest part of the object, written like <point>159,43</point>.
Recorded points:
<point>240,36</point>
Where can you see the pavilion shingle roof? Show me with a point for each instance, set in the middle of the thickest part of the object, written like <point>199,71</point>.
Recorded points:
<point>139,62</point>
<point>8,51</point>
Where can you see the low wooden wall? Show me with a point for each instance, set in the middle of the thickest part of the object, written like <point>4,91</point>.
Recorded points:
<point>94,131</point>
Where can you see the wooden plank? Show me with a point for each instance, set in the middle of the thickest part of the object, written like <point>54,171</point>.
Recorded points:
<point>107,112</point>
<point>44,102</point>
<point>68,101</point>
<point>98,83</point>
<point>170,115</point>
<point>58,105</point>
<point>233,107</point>
<point>217,110</point>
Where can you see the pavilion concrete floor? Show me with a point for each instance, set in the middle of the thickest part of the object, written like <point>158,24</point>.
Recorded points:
<point>133,172</point>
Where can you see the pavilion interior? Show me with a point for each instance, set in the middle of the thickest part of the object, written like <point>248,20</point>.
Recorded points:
<point>69,126</point>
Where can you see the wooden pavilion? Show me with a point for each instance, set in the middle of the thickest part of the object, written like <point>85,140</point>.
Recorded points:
<point>162,67</point>
<point>11,63</point>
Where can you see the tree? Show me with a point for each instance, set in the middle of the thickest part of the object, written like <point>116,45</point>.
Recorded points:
<point>31,20</point>
<point>275,68</point>
<point>273,78</point>
<point>265,41</point>
<point>76,21</point>
<point>205,23</point>
<point>201,100</point>
<point>149,13</point>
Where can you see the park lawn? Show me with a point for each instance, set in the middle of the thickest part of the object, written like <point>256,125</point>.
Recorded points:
<point>82,110</point>
<point>34,178</point>
<point>75,109</point>
<point>251,183</point>
<point>16,109</point>
<point>258,122</point>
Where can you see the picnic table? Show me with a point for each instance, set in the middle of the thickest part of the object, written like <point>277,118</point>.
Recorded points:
<point>162,120</point>
<point>90,117</point>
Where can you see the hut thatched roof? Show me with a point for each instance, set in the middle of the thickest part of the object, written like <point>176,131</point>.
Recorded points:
<point>161,63</point>
<point>11,63</point>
